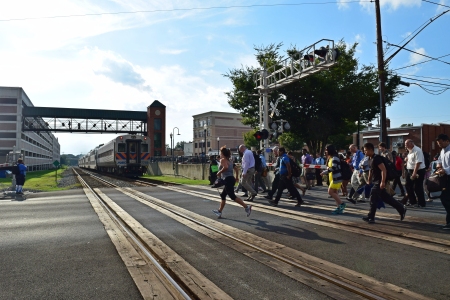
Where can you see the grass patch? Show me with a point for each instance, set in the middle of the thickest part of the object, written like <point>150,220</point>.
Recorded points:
<point>180,180</point>
<point>40,181</point>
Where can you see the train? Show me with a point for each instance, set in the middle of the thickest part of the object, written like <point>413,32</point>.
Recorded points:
<point>126,155</point>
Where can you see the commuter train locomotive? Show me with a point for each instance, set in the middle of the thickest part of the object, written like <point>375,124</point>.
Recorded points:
<point>126,155</point>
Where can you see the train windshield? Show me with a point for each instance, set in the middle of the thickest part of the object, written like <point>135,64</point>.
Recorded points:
<point>121,147</point>
<point>144,148</point>
<point>132,147</point>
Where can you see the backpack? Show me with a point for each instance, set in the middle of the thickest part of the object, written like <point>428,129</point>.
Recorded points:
<point>346,172</point>
<point>258,163</point>
<point>391,171</point>
<point>295,168</point>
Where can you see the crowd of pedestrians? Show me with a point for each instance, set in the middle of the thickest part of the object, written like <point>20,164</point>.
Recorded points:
<point>372,176</point>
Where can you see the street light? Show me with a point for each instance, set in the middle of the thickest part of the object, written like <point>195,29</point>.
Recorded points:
<point>205,127</point>
<point>218,149</point>
<point>173,144</point>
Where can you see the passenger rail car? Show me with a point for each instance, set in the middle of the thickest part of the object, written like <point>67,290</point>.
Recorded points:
<point>126,155</point>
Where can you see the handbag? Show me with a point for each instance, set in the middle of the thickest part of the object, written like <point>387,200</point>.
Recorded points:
<point>264,172</point>
<point>436,183</point>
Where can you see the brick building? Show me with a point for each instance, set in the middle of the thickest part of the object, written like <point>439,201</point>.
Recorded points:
<point>226,126</point>
<point>423,135</point>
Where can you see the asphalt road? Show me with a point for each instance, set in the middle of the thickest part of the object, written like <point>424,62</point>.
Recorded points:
<point>53,246</point>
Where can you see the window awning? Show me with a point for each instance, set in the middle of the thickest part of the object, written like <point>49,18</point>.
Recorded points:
<point>370,136</point>
<point>399,134</point>
<point>377,136</point>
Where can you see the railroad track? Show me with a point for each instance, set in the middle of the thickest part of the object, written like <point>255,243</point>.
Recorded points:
<point>327,278</point>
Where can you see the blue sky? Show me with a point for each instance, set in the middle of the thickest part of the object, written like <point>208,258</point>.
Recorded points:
<point>125,61</point>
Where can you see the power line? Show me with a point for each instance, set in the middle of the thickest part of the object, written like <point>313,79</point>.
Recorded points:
<point>184,9</point>
<point>443,84</point>
<point>436,3</point>
<point>424,77</point>
<point>432,58</point>
<point>419,63</point>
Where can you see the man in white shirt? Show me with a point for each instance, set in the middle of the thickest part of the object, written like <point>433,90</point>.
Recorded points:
<point>443,168</point>
<point>415,175</point>
<point>248,170</point>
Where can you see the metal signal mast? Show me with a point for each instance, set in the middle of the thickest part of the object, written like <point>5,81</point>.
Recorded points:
<point>317,57</point>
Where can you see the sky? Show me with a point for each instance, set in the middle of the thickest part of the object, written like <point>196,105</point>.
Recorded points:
<point>176,53</point>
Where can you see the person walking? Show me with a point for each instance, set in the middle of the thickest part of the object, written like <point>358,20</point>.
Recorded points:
<point>259,167</point>
<point>307,159</point>
<point>213,169</point>
<point>226,173</point>
<point>320,162</point>
<point>398,162</point>
<point>286,180</point>
<point>443,168</point>
<point>357,156</point>
<point>335,177</point>
<point>248,170</point>
<point>378,176</point>
<point>265,179</point>
<point>383,151</point>
<point>20,176</point>
<point>295,180</point>
<point>416,173</point>
<point>276,178</point>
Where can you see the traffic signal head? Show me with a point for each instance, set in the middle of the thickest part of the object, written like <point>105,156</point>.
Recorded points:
<point>258,135</point>
<point>265,134</point>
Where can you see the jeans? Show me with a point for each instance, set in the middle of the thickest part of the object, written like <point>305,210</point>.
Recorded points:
<point>377,194</point>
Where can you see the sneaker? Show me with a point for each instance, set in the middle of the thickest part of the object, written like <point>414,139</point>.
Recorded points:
<point>217,213</point>
<point>268,197</point>
<point>351,200</point>
<point>248,210</point>
<point>244,195</point>
<point>342,206</point>
<point>250,199</point>
<point>368,220</point>
<point>273,203</point>
<point>446,227</point>
<point>402,216</point>
<point>336,211</point>
<point>361,201</point>
<point>429,200</point>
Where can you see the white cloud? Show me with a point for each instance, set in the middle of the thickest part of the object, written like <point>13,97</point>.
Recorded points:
<point>415,58</point>
<point>441,8</point>
<point>342,4</point>
<point>391,4</point>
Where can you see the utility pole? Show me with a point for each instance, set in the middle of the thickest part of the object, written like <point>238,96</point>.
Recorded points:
<point>381,77</point>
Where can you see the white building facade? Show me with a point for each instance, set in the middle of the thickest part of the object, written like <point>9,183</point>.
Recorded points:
<point>38,149</point>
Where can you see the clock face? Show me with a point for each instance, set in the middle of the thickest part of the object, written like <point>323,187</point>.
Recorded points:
<point>157,112</point>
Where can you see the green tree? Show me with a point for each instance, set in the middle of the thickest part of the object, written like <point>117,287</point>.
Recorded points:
<point>290,141</point>
<point>250,140</point>
<point>180,145</point>
<point>321,107</point>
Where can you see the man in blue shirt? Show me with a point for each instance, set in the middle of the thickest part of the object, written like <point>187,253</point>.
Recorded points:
<point>286,180</point>
<point>20,176</point>
<point>318,161</point>
<point>443,168</point>
<point>356,159</point>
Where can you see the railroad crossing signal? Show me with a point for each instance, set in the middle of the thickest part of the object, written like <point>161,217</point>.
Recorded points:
<point>273,106</point>
<point>261,135</point>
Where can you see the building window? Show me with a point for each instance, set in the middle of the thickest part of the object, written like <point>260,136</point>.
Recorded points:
<point>157,140</point>
<point>8,118</point>
<point>209,144</point>
<point>157,124</point>
<point>7,135</point>
<point>157,153</point>
<point>8,101</point>
<point>195,145</point>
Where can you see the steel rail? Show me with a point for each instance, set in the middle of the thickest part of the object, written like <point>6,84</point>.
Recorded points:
<point>319,273</point>
<point>132,236</point>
